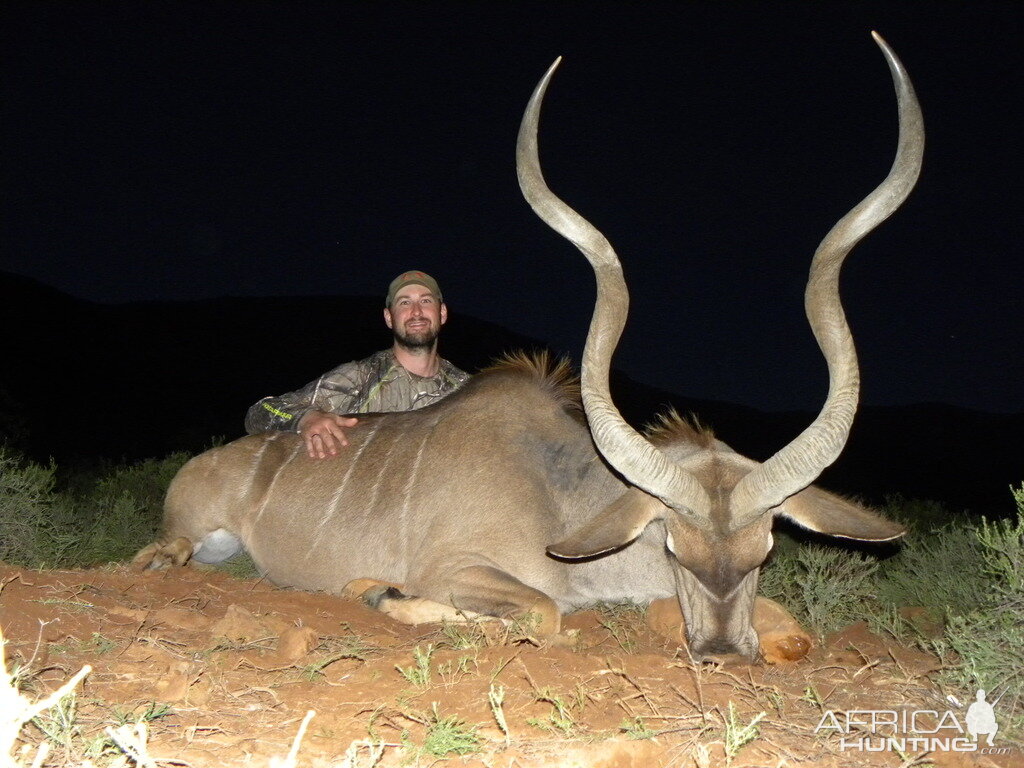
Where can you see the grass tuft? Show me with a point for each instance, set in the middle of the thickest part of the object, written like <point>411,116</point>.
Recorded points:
<point>450,736</point>
<point>737,735</point>
<point>419,675</point>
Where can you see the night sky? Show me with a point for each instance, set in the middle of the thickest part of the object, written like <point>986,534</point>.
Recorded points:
<point>187,151</point>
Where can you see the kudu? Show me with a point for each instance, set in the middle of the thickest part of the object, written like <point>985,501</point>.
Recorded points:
<point>457,501</point>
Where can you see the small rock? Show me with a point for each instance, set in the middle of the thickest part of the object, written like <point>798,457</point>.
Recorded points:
<point>296,642</point>
<point>179,618</point>
<point>239,625</point>
<point>134,614</point>
<point>173,686</point>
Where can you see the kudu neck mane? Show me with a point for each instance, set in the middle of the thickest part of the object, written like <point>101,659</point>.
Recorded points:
<point>553,376</point>
<point>670,427</point>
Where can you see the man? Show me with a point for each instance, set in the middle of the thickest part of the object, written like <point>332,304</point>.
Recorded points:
<point>405,377</point>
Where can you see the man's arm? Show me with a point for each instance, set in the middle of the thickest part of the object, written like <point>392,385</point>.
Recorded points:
<point>312,411</point>
<point>275,414</point>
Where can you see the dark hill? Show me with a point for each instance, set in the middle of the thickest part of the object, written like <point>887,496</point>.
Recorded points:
<point>82,381</point>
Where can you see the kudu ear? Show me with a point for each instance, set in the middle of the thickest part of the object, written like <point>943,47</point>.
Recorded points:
<point>827,513</point>
<point>614,527</point>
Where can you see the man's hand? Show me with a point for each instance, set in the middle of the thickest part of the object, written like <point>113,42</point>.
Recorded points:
<point>323,434</point>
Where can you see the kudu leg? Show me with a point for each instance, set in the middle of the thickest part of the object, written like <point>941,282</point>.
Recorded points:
<point>407,609</point>
<point>473,592</point>
<point>781,637</point>
<point>210,549</point>
<point>492,592</point>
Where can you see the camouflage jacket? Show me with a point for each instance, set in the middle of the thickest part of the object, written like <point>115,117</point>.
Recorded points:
<point>374,385</point>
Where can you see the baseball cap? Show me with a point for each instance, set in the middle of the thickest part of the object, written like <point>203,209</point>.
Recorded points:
<point>408,278</point>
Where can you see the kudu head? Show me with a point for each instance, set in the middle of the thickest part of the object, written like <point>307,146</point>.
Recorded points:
<point>717,506</point>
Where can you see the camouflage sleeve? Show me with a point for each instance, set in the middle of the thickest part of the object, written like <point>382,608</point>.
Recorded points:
<point>334,392</point>
<point>456,377</point>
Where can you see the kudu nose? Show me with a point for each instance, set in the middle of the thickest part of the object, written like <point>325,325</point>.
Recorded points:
<point>725,659</point>
<point>721,652</point>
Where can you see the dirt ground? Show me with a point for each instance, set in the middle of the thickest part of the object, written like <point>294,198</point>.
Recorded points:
<point>225,671</point>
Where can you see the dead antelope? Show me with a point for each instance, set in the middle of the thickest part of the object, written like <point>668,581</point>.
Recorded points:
<point>458,501</point>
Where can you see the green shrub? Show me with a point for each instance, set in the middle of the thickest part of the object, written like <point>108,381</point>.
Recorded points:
<point>778,575</point>
<point>106,520</point>
<point>122,512</point>
<point>28,505</point>
<point>925,572</point>
<point>969,575</point>
<point>983,647</point>
<point>829,586</point>
<point>920,514</point>
<point>825,588</point>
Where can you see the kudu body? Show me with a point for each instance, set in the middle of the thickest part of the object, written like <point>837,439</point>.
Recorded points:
<point>457,501</point>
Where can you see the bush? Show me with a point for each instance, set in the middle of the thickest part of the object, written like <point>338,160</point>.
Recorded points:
<point>28,506</point>
<point>107,520</point>
<point>984,647</point>
<point>122,512</point>
<point>968,575</point>
<point>825,588</point>
<point>920,515</point>
<point>925,574</point>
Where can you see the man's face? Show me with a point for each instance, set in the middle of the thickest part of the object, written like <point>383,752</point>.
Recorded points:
<point>416,316</point>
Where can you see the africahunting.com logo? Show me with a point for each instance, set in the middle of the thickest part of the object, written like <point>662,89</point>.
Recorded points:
<point>917,730</point>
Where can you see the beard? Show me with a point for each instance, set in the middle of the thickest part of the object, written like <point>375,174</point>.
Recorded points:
<point>417,340</point>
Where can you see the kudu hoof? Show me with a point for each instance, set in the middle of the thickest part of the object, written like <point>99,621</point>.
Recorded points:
<point>367,590</point>
<point>157,556</point>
